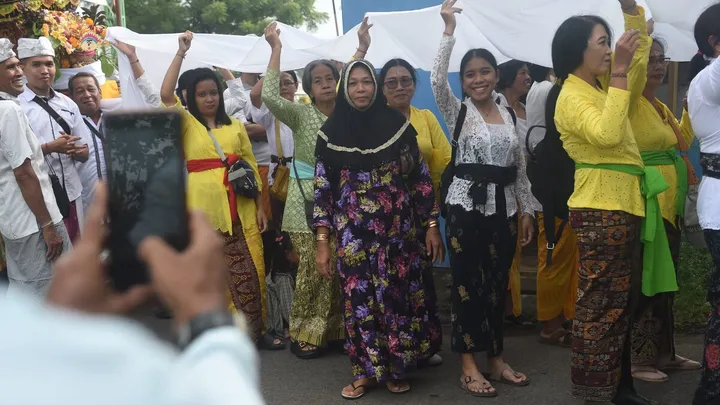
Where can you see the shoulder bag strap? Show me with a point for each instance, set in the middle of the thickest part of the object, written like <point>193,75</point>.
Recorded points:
<point>297,178</point>
<point>218,149</point>
<point>278,143</point>
<point>95,134</point>
<point>456,132</point>
<point>60,120</point>
<point>512,114</point>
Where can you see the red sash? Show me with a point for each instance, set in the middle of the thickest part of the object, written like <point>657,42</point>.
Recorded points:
<point>201,165</point>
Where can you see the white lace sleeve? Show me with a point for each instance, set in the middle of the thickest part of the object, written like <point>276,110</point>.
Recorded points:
<point>522,185</point>
<point>447,103</point>
<point>148,91</point>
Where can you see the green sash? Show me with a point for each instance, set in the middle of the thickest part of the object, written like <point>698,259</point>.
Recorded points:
<point>658,269</point>
<point>670,157</point>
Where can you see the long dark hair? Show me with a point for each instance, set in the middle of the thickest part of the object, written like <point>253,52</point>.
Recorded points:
<point>199,75</point>
<point>508,72</point>
<point>707,25</point>
<point>481,53</point>
<point>397,62</point>
<point>307,75</point>
<point>538,73</point>
<point>568,53</point>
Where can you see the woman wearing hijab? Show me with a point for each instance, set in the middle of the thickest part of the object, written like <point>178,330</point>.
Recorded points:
<point>372,186</point>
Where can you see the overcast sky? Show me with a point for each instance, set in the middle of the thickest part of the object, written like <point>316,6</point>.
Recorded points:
<point>327,30</point>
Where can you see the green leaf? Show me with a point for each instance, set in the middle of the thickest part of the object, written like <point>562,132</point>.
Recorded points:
<point>107,67</point>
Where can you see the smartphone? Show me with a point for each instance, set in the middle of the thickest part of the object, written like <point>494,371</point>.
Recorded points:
<point>146,182</point>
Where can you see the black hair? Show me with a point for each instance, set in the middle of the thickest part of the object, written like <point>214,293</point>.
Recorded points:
<point>183,83</point>
<point>707,25</point>
<point>81,75</point>
<point>571,40</point>
<point>307,75</point>
<point>508,72</point>
<point>200,75</point>
<point>481,53</point>
<point>397,62</point>
<point>538,73</point>
<point>293,75</point>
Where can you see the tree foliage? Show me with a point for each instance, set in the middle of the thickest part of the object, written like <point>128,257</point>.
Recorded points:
<point>234,17</point>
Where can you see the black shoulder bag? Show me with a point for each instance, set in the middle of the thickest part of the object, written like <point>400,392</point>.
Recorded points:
<point>449,172</point>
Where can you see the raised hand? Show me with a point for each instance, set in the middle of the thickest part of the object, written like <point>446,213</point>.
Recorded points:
<point>272,35</point>
<point>184,42</point>
<point>625,50</point>
<point>364,35</point>
<point>447,12</point>
<point>126,49</point>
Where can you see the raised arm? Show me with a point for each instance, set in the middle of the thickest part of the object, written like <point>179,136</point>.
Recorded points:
<point>167,91</point>
<point>284,110</point>
<point>363,40</point>
<point>256,94</point>
<point>637,73</point>
<point>447,103</point>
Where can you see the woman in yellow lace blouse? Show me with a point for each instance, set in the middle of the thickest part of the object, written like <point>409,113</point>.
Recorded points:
<point>606,207</point>
<point>659,136</point>
<point>239,219</point>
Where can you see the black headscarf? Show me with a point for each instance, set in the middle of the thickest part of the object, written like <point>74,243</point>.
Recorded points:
<point>363,139</point>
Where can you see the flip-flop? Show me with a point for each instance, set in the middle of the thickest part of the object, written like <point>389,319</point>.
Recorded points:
<point>649,374</point>
<point>365,388</point>
<point>400,391</point>
<point>485,385</point>
<point>520,322</point>
<point>561,337</point>
<point>500,377</point>
<point>681,364</point>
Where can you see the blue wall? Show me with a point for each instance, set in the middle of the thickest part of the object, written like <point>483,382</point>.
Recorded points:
<point>353,13</point>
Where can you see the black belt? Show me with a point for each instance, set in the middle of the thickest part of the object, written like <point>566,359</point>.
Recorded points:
<point>482,175</point>
<point>710,163</point>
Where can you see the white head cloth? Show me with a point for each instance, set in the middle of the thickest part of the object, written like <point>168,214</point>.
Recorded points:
<point>6,50</point>
<point>27,48</point>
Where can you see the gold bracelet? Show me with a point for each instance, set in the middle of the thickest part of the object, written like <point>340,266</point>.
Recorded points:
<point>433,224</point>
<point>322,237</point>
<point>49,223</point>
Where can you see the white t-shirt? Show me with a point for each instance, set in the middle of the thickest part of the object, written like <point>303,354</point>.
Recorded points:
<point>704,109</point>
<point>238,106</point>
<point>264,117</point>
<point>17,144</point>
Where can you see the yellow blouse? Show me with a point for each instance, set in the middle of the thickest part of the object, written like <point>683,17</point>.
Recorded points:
<point>205,190</point>
<point>653,132</point>
<point>432,142</point>
<point>595,129</point>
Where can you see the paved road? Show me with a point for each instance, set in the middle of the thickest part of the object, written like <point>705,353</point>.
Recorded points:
<point>287,380</point>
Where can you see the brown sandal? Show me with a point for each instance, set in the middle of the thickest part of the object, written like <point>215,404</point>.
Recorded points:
<point>561,337</point>
<point>484,385</point>
<point>500,377</point>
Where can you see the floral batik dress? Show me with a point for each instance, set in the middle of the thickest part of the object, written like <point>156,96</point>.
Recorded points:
<point>380,261</point>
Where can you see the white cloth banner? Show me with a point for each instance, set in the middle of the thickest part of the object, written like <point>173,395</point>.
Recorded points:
<point>520,29</point>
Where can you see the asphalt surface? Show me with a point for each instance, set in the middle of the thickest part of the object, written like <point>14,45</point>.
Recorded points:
<point>287,380</point>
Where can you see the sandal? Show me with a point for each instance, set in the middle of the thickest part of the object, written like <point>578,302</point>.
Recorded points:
<point>499,377</point>
<point>306,351</point>
<point>649,374</point>
<point>521,322</point>
<point>268,342</point>
<point>365,387</point>
<point>560,337</point>
<point>680,364</point>
<point>405,386</point>
<point>485,385</point>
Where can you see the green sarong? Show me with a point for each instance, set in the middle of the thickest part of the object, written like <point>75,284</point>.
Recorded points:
<point>670,157</point>
<point>658,269</point>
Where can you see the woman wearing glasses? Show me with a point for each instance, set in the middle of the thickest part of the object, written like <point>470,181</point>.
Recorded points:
<point>659,137</point>
<point>399,79</point>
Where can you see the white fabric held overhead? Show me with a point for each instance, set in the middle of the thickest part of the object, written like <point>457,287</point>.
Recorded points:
<point>521,29</point>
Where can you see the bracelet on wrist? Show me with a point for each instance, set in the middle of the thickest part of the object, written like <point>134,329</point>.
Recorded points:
<point>46,225</point>
<point>433,224</point>
<point>180,55</point>
<point>362,50</point>
<point>322,237</point>
<point>138,61</point>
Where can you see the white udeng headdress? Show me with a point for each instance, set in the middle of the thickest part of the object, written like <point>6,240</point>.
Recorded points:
<point>27,47</point>
<point>6,50</point>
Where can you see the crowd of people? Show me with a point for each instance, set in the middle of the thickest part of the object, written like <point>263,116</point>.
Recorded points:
<point>335,249</point>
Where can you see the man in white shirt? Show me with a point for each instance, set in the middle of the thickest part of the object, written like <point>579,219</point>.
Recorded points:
<point>33,231</point>
<point>73,349</point>
<point>84,89</point>
<point>65,139</point>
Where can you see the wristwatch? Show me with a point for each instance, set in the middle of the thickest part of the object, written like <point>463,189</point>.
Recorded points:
<point>202,323</point>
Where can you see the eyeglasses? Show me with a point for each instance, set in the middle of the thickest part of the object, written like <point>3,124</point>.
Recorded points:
<point>405,82</point>
<point>287,83</point>
<point>659,60</point>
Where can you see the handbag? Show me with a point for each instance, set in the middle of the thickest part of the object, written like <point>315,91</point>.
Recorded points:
<point>308,205</point>
<point>690,222</point>
<point>281,174</point>
<point>240,174</point>
<point>61,197</point>
<point>449,172</point>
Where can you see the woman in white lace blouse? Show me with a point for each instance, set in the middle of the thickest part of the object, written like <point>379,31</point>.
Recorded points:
<point>489,187</point>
